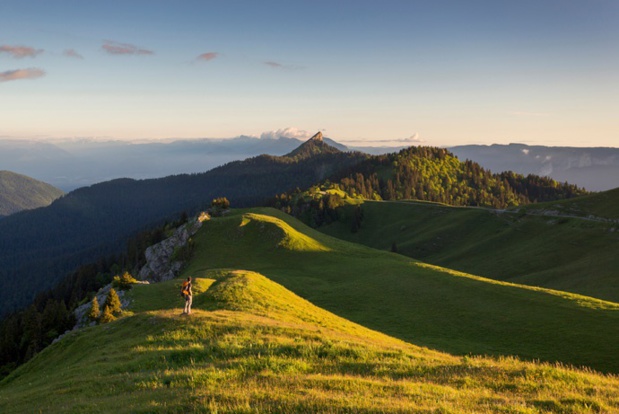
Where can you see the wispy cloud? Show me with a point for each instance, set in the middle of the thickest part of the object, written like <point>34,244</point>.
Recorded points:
<point>11,75</point>
<point>20,51</point>
<point>205,57</point>
<point>277,65</point>
<point>412,140</point>
<point>72,54</point>
<point>274,64</point>
<point>116,48</point>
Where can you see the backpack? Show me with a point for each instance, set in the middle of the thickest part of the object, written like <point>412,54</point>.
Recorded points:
<point>184,292</point>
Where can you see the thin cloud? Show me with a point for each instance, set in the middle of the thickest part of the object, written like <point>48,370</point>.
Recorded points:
<point>413,139</point>
<point>72,54</point>
<point>19,52</point>
<point>277,65</point>
<point>11,75</point>
<point>274,64</point>
<point>116,48</point>
<point>208,56</point>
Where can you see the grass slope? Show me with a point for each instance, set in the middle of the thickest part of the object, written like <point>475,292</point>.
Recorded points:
<point>252,346</point>
<point>571,254</point>
<point>418,303</point>
<point>19,192</point>
<point>599,205</point>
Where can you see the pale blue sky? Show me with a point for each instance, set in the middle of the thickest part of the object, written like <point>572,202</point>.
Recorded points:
<point>447,72</point>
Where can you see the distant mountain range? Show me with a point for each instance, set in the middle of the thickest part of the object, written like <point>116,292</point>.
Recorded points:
<point>595,169</point>
<point>70,164</point>
<point>19,192</point>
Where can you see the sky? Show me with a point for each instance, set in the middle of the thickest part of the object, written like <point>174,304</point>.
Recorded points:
<point>441,73</point>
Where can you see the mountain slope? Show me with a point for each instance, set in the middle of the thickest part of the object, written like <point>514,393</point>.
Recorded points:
<point>521,246</point>
<point>19,192</point>
<point>253,346</point>
<point>37,248</point>
<point>315,145</point>
<point>419,303</point>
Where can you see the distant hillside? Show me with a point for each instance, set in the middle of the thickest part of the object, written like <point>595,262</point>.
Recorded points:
<point>596,169</point>
<point>603,205</point>
<point>568,245</point>
<point>18,192</point>
<point>38,247</point>
<point>253,345</point>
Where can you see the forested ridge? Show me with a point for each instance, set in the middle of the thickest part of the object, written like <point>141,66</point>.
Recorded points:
<point>426,174</point>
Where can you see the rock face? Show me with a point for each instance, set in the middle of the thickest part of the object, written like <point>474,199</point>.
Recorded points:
<point>81,311</point>
<point>160,264</point>
<point>159,267</point>
<point>317,137</point>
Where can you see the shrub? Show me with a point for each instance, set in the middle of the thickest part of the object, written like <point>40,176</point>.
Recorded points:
<point>124,282</point>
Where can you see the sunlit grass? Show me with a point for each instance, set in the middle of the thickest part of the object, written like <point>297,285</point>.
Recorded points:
<point>418,303</point>
<point>251,346</point>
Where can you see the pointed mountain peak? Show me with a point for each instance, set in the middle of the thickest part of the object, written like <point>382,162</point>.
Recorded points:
<point>313,146</point>
<point>317,137</point>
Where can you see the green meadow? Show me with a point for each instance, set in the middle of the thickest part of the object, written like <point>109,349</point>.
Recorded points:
<point>574,254</point>
<point>419,303</point>
<point>289,320</point>
<point>252,346</point>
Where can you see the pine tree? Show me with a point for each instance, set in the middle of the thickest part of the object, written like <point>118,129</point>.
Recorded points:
<point>113,302</point>
<point>94,312</point>
<point>106,315</point>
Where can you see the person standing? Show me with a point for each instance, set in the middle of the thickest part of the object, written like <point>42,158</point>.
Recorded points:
<point>186,292</point>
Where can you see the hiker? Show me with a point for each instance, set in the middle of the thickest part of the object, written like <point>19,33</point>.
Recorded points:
<point>186,293</point>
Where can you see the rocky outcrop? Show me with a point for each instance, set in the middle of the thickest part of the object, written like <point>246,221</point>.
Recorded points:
<point>160,262</point>
<point>81,311</point>
<point>159,266</point>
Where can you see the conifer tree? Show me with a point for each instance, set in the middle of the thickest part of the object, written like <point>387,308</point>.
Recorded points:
<point>106,315</point>
<point>112,301</point>
<point>94,312</point>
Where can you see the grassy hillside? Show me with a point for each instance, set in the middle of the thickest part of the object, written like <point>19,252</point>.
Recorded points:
<point>422,304</point>
<point>19,192</point>
<point>603,205</point>
<point>252,346</point>
<point>571,254</point>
